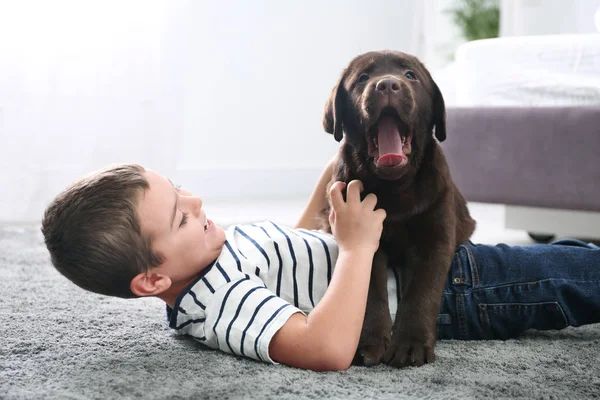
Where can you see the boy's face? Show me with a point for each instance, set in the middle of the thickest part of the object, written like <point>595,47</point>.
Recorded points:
<point>180,231</point>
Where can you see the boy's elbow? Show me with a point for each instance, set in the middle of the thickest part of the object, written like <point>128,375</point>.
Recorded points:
<point>331,364</point>
<point>341,364</point>
<point>336,358</point>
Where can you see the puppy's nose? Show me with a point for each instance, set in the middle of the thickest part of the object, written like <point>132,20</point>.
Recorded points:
<point>387,85</point>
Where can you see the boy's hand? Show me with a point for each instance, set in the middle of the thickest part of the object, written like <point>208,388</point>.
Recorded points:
<point>326,339</point>
<point>355,224</point>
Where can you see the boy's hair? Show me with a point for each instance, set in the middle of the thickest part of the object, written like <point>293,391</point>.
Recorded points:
<point>93,234</point>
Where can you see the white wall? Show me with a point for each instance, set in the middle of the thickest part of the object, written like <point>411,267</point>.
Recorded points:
<point>546,17</point>
<point>82,84</point>
<point>257,77</point>
<point>225,97</point>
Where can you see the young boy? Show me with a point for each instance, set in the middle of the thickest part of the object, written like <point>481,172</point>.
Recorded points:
<point>294,296</point>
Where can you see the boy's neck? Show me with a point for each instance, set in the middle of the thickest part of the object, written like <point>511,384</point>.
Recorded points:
<point>170,295</point>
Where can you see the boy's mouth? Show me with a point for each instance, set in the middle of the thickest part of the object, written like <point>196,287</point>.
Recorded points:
<point>207,225</point>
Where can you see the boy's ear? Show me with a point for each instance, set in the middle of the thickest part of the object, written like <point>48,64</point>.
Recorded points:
<point>149,283</point>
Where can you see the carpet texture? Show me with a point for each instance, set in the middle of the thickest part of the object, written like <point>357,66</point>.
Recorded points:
<point>59,342</point>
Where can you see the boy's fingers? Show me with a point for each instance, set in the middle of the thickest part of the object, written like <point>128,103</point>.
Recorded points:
<point>355,187</point>
<point>381,214</point>
<point>370,201</point>
<point>335,193</point>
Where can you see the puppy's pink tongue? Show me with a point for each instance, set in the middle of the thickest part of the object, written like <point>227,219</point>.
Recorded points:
<point>389,142</point>
<point>391,160</point>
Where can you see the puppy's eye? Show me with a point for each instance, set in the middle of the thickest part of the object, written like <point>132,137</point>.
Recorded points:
<point>363,78</point>
<point>410,75</point>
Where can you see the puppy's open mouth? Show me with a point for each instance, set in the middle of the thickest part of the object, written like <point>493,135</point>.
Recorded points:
<point>389,140</point>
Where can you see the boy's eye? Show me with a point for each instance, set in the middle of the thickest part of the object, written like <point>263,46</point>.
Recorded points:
<point>178,187</point>
<point>183,219</point>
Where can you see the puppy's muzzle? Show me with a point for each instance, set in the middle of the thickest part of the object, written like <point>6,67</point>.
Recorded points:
<point>387,86</point>
<point>385,89</point>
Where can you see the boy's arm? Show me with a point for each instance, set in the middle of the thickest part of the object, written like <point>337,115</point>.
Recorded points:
<point>318,200</point>
<point>327,339</point>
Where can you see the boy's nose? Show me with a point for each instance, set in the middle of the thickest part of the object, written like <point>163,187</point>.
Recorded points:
<point>197,206</point>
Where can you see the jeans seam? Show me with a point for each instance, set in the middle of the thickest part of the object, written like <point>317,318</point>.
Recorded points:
<point>562,311</point>
<point>460,268</point>
<point>516,284</point>
<point>461,312</point>
<point>484,320</point>
<point>474,267</point>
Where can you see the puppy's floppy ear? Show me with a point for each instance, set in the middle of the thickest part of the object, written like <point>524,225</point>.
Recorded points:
<point>333,114</point>
<point>439,113</point>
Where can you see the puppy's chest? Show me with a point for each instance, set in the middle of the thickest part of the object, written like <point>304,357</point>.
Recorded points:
<point>394,244</point>
<point>399,232</point>
<point>395,233</point>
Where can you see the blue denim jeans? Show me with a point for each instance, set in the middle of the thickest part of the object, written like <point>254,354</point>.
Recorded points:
<point>499,292</point>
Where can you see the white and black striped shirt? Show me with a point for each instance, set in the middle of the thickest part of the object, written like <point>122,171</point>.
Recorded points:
<point>264,274</point>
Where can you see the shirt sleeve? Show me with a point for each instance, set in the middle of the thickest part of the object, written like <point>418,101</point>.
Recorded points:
<point>242,318</point>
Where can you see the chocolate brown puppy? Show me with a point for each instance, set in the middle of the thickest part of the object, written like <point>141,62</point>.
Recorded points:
<point>390,112</point>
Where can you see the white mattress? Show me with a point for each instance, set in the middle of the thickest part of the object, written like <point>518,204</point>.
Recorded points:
<point>554,70</point>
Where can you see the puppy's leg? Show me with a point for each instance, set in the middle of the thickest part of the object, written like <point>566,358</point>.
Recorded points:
<point>377,326</point>
<point>414,333</point>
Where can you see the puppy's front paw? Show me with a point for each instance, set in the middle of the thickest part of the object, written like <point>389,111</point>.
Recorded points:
<point>375,338</point>
<point>371,348</point>
<point>404,353</point>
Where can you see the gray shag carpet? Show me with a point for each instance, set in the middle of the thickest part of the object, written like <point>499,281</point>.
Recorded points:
<point>58,341</point>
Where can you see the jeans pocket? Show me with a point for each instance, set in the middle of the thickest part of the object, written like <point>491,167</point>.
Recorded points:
<point>509,320</point>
